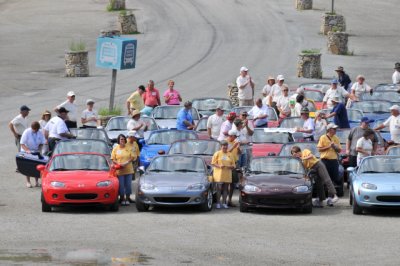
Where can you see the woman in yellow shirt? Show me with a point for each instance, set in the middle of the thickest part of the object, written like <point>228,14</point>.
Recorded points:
<point>321,176</point>
<point>123,155</point>
<point>223,162</point>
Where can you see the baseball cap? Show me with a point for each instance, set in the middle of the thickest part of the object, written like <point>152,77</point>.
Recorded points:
<point>334,81</point>
<point>223,142</point>
<point>131,133</point>
<point>63,110</point>
<point>220,107</point>
<point>271,78</point>
<point>280,77</point>
<point>366,120</point>
<point>233,132</point>
<point>24,108</point>
<point>300,90</point>
<point>395,107</point>
<point>231,115</point>
<point>331,125</point>
<point>244,112</point>
<point>89,101</point>
<point>243,68</point>
<point>71,93</point>
<point>187,103</point>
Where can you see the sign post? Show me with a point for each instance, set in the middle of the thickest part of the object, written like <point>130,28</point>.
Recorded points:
<point>116,53</point>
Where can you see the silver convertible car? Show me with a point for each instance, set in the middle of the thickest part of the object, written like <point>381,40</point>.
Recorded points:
<point>175,180</point>
<point>375,183</point>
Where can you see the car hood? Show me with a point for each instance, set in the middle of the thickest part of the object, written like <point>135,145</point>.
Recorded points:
<point>381,178</point>
<point>166,123</point>
<point>265,181</point>
<point>173,179</point>
<point>377,116</point>
<point>112,135</point>
<point>262,149</point>
<point>78,176</point>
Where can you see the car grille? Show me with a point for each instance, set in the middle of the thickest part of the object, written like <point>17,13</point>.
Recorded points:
<point>171,199</point>
<point>388,198</point>
<point>85,196</point>
<point>276,202</point>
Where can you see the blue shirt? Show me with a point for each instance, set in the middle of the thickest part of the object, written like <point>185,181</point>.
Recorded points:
<point>340,118</point>
<point>183,115</point>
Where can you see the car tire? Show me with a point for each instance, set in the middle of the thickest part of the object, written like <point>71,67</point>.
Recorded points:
<point>242,206</point>
<point>351,197</point>
<point>356,208</point>
<point>208,204</point>
<point>114,207</point>
<point>140,206</point>
<point>45,207</point>
<point>307,209</point>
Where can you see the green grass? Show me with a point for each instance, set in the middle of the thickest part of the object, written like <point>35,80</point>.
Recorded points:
<point>110,6</point>
<point>77,46</point>
<point>311,51</point>
<point>104,111</point>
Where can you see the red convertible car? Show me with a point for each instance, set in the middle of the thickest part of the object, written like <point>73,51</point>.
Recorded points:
<point>84,179</point>
<point>269,141</point>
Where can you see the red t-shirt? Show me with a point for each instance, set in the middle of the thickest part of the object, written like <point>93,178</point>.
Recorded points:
<point>151,98</point>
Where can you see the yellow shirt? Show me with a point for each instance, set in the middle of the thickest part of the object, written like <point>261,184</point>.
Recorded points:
<point>235,151</point>
<point>136,101</point>
<point>134,147</point>
<point>122,155</point>
<point>329,153</point>
<point>225,159</point>
<point>308,163</point>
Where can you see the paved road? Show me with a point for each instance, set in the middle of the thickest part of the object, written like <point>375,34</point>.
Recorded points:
<point>201,45</point>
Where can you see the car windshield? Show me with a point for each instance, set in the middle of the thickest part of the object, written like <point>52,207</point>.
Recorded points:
<point>322,87</point>
<point>372,106</point>
<point>71,162</point>
<point>211,104</point>
<point>277,165</point>
<point>202,124</point>
<point>272,116</point>
<point>77,145</point>
<point>386,87</point>
<point>90,133</point>
<point>170,112</point>
<point>354,115</point>
<point>314,95</point>
<point>343,134</point>
<point>168,136</point>
<point>260,136</point>
<point>380,164</point>
<point>312,146</point>
<point>117,123</point>
<point>177,164</point>
<point>195,147</point>
<point>379,122</point>
<point>292,122</point>
<point>394,150</point>
<point>391,96</point>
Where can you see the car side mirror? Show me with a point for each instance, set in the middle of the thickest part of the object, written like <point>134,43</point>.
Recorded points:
<point>141,170</point>
<point>351,169</point>
<point>40,167</point>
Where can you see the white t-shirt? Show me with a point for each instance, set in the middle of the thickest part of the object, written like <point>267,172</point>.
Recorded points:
<point>244,136</point>
<point>267,89</point>
<point>214,122</point>
<point>134,124</point>
<point>283,103</point>
<point>72,108</point>
<point>55,127</point>
<point>247,92</point>
<point>275,92</point>
<point>309,124</point>
<point>32,139</point>
<point>320,129</point>
<point>86,114</point>
<point>366,145</point>
<point>20,124</point>
<point>396,77</point>
<point>225,127</point>
<point>394,127</point>
<point>257,112</point>
<point>332,93</point>
<point>296,111</point>
<point>360,88</point>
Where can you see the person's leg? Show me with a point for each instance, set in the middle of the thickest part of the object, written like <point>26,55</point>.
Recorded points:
<point>319,185</point>
<point>28,181</point>
<point>121,189</point>
<point>128,188</point>
<point>219,191</point>
<point>325,178</point>
<point>37,182</point>
<point>224,193</point>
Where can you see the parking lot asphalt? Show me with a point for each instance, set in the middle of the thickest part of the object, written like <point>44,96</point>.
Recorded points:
<point>201,45</point>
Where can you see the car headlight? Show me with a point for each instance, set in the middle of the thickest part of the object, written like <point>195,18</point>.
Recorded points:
<point>369,186</point>
<point>301,189</point>
<point>57,184</point>
<point>104,183</point>
<point>198,186</point>
<point>147,186</point>
<point>251,188</point>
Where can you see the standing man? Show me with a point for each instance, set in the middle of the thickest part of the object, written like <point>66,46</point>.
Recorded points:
<point>355,134</point>
<point>151,96</point>
<point>343,78</point>
<point>135,101</point>
<point>89,116</point>
<point>214,123</point>
<point>332,92</point>
<point>56,129</point>
<point>184,119</point>
<point>18,125</point>
<point>396,74</point>
<point>339,113</point>
<point>172,96</point>
<point>308,126</point>
<point>394,124</point>
<point>259,112</point>
<point>245,86</point>
<point>276,92</point>
<point>72,108</point>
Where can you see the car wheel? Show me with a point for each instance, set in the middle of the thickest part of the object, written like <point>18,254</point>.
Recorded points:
<point>356,208</point>
<point>307,209</point>
<point>242,206</point>
<point>115,207</point>
<point>140,206</point>
<point>45,207</point>
<point>351,197</point>
<point>208,204</point>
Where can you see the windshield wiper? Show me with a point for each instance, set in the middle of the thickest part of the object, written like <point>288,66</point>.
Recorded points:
<point>186,170</point>
<point>117,129</point>
<point>88,169</point>
<point>285,173</point>
<point>202,154</point>
<point>260,172</point>
<point>158,170</point>
<point>61,169</point>
<point>371,172</point>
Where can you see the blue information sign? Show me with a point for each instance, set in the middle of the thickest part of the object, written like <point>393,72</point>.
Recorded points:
<point>116,52</point>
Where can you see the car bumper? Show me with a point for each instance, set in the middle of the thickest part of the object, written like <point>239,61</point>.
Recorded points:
<point>172,198</point>
<point>371,198</point>
<point>279,201</point>
<point>65,197</point>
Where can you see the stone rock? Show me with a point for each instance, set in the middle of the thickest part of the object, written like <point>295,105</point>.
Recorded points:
<point>332,23</point>
<point>117,4</point>
<point>77,64</point>
<point>233,94</point>
<point>337,42</point>
<point>309,66</point>
<point>303,4</point>
<point>127,24</point>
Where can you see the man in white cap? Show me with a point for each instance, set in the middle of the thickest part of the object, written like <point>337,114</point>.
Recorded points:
<point>394,124</point>
<point>396,74</point>
<point>89,115</point>
<point>332,92</point>
<point>19,123</point>
<point>245,86</point>
<point>276,92</point>
<point>72,109</point>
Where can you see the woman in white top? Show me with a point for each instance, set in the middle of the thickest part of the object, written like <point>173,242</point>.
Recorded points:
<point>364,145</point>
<point>46,116</point>
<point>320,126</point>
<point>89,116</point>
<point>358,88</point>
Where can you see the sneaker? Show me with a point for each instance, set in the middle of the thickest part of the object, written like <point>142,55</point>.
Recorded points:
<point>317,203</point>
<point>218,206</point>
<point>37,185</point>
<point>123,203</point>
<point>331,200</point>
<point>127,203</point>
<point>225,206</point>
<point>335,199</point>
<point>28,185</point>
<point>131,200</point>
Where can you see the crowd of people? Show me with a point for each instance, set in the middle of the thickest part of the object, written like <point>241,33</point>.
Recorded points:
<point>232,130</point>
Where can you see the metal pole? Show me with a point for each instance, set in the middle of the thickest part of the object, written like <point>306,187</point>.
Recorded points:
<point>112,92</point>
<point>333,4</point>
